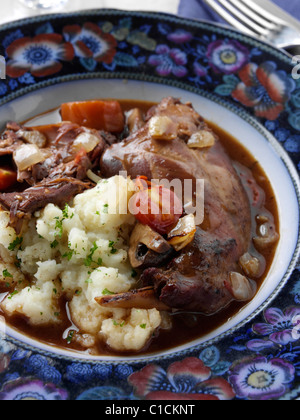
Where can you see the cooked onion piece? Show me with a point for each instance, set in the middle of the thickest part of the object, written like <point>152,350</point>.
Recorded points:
<point>267,236</point>
<point>241,288</point>
<point>183,233</point>
<point>28,155</point>
<point>93,177</point>
<point>201,139</point>
<point>33,137</point>
<point>251,265</point>
<point>162,128</point>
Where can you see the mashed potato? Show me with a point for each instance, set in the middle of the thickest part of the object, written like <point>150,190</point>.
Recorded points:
<point>79,252</point>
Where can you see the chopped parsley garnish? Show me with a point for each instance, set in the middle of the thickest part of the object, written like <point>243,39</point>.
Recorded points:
<point>107,292</point>
<point>133,273</point>
<point>16,243</point>
<point>54,244</point>
<point>112,246</point>
<point>6,274</point>
<point>12,294</point>
<point>69,254</point>
<point>66,212</point>
<point>70,336</point>
<point>89,259</point>
<point>117,324</point>
<point>143,326</point>
<point>59,227</point>
<point>105,209</point>
<point>59,222</point>
<point>18,262</point>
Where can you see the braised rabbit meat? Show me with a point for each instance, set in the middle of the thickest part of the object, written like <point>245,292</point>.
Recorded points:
<point>199,277</point>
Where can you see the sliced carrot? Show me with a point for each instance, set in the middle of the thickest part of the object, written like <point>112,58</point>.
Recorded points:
<point>100,115</point>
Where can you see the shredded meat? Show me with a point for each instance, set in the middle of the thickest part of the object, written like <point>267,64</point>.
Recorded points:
<point>58,191</point>
<point>58,178</point>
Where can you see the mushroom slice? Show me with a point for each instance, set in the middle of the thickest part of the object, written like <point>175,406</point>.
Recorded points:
<point>148,248</point>
<point>241,288</point>
<point>28,155</point>
<point>140,299</point>
<point>183,233</point>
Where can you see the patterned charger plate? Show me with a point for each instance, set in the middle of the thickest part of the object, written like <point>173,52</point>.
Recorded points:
<point>250,89</point>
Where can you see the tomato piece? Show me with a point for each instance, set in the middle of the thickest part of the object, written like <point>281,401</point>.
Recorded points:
<point>8,178</point>
<point>100,115</point>
<point>156,206</point>
<point>80,155</point>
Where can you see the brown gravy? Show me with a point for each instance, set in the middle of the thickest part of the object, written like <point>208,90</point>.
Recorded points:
<point>186,327</point>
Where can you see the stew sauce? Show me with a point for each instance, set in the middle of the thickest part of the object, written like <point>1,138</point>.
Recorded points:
<point>186,327</point>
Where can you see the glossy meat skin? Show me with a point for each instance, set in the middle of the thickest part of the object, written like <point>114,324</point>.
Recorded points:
<point>195,280</point>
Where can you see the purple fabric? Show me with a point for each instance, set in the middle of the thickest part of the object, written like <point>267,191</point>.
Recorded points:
<point>197,9</point>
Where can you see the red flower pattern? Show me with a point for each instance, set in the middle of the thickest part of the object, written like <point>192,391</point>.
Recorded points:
<point>189,379</point>
<point>264,88</point>
<point>90,41</point>
<point>40,55</point>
